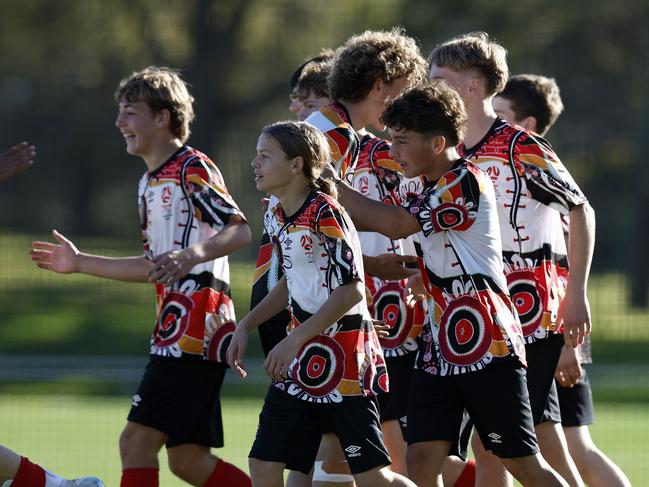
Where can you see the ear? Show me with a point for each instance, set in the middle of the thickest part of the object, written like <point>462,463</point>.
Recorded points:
<point>475,83</point>
<point>297,164</point>
<point>163,118</point>
<point>438,144</point>
<point>529,123</point>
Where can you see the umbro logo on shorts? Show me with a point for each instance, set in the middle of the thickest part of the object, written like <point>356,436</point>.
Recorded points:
<point>404,421</point>
<point>495,437</point>
<point>353,450</point>
<point>135,401</point>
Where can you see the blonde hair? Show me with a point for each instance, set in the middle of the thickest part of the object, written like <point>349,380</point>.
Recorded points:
<point>161,89</point>
<point>476,50</point>
<point>304,140</point>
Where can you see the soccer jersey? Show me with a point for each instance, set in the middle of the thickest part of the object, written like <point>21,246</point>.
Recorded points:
<point>183,202</point>
<point>471,321</point>
<point>334,121</point>
<point>375,176</point>
<point>319,251</point>
<point>533,190</point>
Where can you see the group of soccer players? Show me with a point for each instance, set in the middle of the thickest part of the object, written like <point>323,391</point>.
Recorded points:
<point>408,293</point>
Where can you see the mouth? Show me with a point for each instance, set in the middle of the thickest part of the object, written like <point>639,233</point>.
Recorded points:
<point>128,137</point>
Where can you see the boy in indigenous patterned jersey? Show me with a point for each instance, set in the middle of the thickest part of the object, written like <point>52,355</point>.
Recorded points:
<point>534,103</point>
<point>328,369</point>
<point>472,339</point>
<point>190,224</point>
<point>533,189</point>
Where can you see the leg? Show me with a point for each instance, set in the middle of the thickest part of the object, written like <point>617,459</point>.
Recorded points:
<point>555,450</point>
<point>396,446</point>
<point>9,463</point>
<point>595,467</point>
<point>266,474</point>
<point>298,479</point>
<point>533,471</point>
<point>425,461</point>
<point>382,477</point>
<point>331,469</point>
<point>489,469</point>
<point>192,463</point>
<point>139,446</point>
<point>458,473</point>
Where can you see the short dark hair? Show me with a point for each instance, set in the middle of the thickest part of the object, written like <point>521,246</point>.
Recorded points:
<point>324,55</point>
<point>314,78</point>
<point>374,55</point>
<point>433,109</point>
<point>536,96</point>
<point>476,50</point>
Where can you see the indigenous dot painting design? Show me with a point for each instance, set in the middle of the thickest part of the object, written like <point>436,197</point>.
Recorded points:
<point>528,298</point>
<point>465,332</point>
<point>173,319</point>
<point>319,367</point>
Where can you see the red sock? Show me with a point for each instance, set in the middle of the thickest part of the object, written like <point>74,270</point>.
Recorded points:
<point>29,475</point>
<point>227,475</point>
<point>139,477</point>
<point>467,477</point>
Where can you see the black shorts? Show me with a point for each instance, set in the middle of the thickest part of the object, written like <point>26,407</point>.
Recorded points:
<point>393,405</point>
<point>577,403</point>
<point>181,399</point>
<point>542,360</point>
<point>495,398</point>
<point>289,431</point>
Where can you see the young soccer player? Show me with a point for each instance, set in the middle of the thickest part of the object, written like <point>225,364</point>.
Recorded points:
<point>472,354</point>
<point>328,369</point>
<point>533,189</point>
<point>534,102</point>
<point>16,470</point>
<point>190,224</point>
<point>297,94</point>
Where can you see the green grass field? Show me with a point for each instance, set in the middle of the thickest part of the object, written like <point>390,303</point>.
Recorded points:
<point>73,435</point>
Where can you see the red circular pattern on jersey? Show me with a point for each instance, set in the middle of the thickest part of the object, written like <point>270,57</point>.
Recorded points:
<point>467,319</point>
<point>528,298</point>
<point>388,305</point>
<point>319,367</point>
<point>173,319</point>
<point>220,341</point>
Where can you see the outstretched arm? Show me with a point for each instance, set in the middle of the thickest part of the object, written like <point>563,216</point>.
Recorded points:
<point>16,159</point>
<point>574,312</point>
<point>64,258</point>
<point>374,216</point>
<point>169,267</point>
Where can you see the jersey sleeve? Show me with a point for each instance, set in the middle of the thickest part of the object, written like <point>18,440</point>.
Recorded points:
<point>332,229</point>
<point>344,148</point>
<point>452,205</point>
<point>213,203</point>
<point>548,181</point>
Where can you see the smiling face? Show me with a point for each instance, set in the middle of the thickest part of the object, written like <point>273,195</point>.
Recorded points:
<point>271,167</point>
<point>139,126</point>
<point>414,151</point>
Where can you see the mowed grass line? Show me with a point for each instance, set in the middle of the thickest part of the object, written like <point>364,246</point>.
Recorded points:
<point>73,435</point>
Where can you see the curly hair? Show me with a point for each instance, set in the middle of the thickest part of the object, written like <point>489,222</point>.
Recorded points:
<point>374,55</point>
<point>534,95</point>
<point>433,109</point>
<point>476,50</point>
<point>161,88</point>
<point>305,140</point>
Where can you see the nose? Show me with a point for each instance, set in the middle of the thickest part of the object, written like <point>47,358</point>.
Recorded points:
<point>393,153</point>
<point>119,121</point>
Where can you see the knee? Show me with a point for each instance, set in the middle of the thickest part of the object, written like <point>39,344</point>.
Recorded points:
<point>137,448</point>
<point>265,474</point>
<point>180,466</point>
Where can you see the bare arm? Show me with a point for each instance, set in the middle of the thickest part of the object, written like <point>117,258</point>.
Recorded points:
<point>339,302</point>
<point>274,302</point>
<point>574,312</point>
<point>374,216</point>
<point>169,267</point>
<point>64,258</point>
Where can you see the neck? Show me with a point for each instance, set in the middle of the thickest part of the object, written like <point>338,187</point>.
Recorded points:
<point>481,117</point>
<point>292,196</point>
<point>442,163</point>
<point>360,116</point>
<point>160,153</point>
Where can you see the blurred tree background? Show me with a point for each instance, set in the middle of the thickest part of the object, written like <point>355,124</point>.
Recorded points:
<point>61,61</point>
